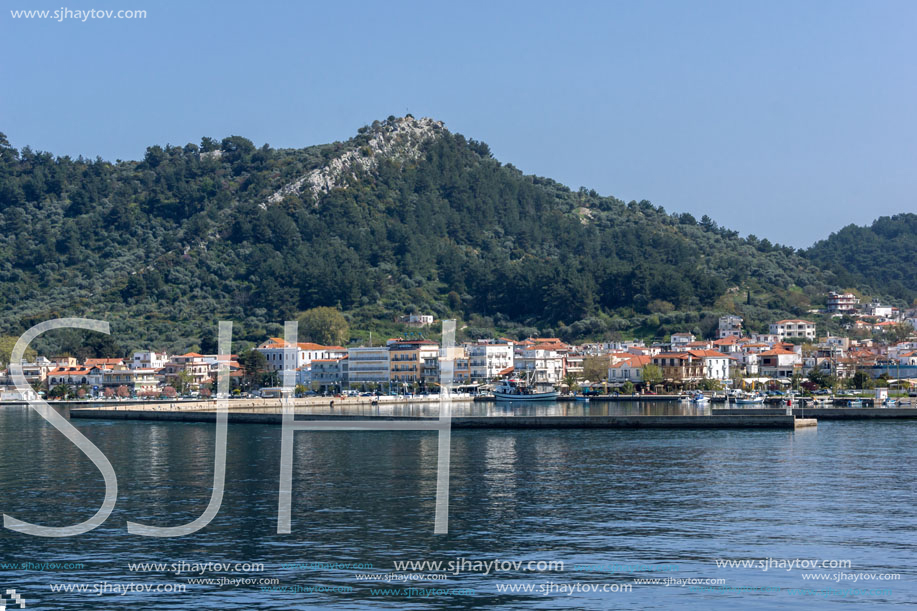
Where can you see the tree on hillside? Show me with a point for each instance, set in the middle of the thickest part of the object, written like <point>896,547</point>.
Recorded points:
<point>325,326</point>
<point>208,343</point>
<point>6,348</point>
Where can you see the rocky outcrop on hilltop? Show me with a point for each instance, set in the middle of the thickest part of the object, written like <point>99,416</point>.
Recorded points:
<point>399,139</point>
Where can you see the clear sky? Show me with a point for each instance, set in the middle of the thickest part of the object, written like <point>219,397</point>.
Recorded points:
<point>784,119</point>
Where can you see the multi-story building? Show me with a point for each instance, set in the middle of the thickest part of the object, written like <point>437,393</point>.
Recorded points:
<point>539,363</point>
<point>779,363</point>
<point>138,381</point>
<point>461,368</point>
<point>407,359</point>
<point>730,344</point>
<point>842,303</point>
<point>679,368</point>
<point>749,362</point>
<point>195,365</point>
<point>784,329</point>
<point>717,366</point>
<point>149,359</point>
<point>627,368</point>
<point>74,375</point>
<point>277,352</point>
<point>37,372</point>
<point>416,320</point>
<point>681,340</point>
<point>487,358</point>
<point>882,311</point>
<point>574,364</point>
<point>330,375</point>
<point>111,363</point>
<point>730,326</point>
<point>368,365</point>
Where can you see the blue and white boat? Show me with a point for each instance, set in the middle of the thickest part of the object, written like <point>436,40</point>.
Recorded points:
<point>518,390</point>
<point>750,399</point>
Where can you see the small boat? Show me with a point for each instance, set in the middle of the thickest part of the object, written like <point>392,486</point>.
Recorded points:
<point>889,403</point>
<point>518,390</point>
<point>580,398</point>
<point>699,398</point>
<point>855,403</point>
<point>750,399</point>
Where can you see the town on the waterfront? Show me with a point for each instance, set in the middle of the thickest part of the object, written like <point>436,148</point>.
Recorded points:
<point>791,358</point>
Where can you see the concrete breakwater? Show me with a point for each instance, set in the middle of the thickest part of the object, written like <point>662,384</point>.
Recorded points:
<point>825,413</point>
<point>241,404</point>
<point>474,422</point>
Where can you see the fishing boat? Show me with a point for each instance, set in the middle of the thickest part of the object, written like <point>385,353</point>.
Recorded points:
<point>519,390</point>
<point>750,399</point>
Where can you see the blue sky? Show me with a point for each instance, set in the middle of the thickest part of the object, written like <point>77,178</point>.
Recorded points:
<point>788,120</point>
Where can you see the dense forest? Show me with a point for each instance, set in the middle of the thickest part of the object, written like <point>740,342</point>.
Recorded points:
<point>165,246</point>
<point>884,254</point>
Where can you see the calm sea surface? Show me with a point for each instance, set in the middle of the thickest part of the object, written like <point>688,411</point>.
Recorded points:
<point>613,506</point>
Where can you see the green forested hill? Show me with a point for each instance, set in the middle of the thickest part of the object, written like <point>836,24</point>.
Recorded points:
<point>405,216</point>
<point>883,254</point>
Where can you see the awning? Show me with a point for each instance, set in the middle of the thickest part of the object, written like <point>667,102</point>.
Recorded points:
<point>506,371</point>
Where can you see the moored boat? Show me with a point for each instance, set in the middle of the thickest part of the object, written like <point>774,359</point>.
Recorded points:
<point>750,399</point>
<point>518,390</point>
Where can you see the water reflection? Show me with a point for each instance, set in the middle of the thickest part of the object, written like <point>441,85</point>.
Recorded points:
<point>581,496</point>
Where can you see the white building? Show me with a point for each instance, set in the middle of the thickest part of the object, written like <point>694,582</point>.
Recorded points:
<point>780,363</point>
<point>750,362</point>
<point>681,340</point>
<point>330,374</point>
<point>540,363</point>
<point>487,358</point>
<point>368,365</point>
<point>717,366</point>
<point>784,329</point>
<point>138,381</point>
<point>730,326</point>
<point>77,375</point>
<point>149,359</point>
<point>627,368</point>
<point>275,352</point>
<point>416,320</point>
<point>882,311</point>
<point>842,302</point>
